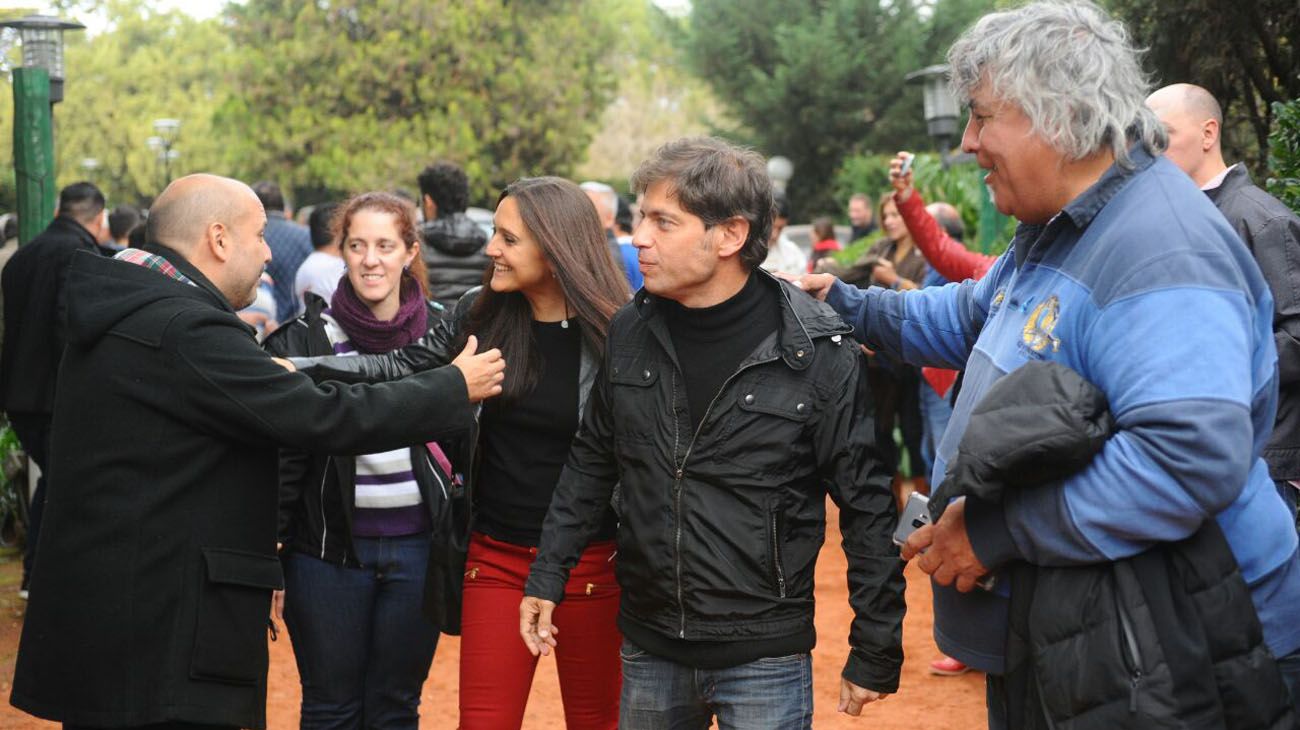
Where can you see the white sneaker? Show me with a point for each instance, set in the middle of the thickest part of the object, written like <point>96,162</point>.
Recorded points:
<point>22,593</point>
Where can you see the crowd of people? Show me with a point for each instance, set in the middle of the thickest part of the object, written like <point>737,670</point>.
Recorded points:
<point>607,430</point>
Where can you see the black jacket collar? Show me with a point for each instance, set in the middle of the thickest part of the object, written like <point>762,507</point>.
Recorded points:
<point>1236,179</point>
<point>803,319</point>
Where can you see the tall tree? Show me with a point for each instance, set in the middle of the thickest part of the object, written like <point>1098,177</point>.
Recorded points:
<point>362,94</point>
<point>148,64</point>
<point>819,80</point>
<point>1245,52</point>
<point>658,97</point>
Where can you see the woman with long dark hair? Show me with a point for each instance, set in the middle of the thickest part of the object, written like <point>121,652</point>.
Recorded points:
<point>357,530</point>
<point>546,303</point>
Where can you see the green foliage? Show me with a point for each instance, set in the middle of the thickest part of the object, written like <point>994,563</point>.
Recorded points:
<point>1245,53</point>
<point>658,98</point>
<point>1284,154</point>
<point>332,97</point>
<point>818,81</point>
<point>152,65</point>
<point>12,482</point>
<point>358,95</point>
<point>961,185</point>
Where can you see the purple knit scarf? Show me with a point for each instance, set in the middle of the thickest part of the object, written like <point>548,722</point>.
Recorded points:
<point>371,335</point>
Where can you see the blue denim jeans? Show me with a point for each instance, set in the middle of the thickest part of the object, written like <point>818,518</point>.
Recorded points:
<point>936,411</point>
<point>766,693</point>
<point>362,646</point>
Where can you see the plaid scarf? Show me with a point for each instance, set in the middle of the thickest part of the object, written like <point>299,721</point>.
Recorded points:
<point>153,262</point>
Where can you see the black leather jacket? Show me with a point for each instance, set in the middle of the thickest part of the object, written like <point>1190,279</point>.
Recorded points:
<point>720,529</point>
<point>439,347</point>
<point>453,254</point>
<point>318,490</point>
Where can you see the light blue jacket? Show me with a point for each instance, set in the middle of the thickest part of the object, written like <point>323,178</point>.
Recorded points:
<point>1141,287</point>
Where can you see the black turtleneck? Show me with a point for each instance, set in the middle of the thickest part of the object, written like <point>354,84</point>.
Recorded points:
<point>712,341</point>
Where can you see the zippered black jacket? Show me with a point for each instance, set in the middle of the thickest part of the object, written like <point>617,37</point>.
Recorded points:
<point>1167,638</point>
<point>720,530</point>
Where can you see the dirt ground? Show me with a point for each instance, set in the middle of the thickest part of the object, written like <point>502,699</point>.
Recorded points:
<point>923,701</point>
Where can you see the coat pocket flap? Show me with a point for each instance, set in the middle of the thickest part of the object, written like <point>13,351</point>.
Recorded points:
<point>794,406</point>
<point>631,372</point>
<point>236,567</point>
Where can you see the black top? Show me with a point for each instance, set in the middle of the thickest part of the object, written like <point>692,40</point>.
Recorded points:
<point>34,309</point>
<point>526,442</point>
<point>711,341</point>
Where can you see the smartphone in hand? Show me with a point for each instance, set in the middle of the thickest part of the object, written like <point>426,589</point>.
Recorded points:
<point>916,514</point>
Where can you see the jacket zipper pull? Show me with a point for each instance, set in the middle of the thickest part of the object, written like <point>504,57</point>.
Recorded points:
<point>270,624</point>
<point>590,587</point>
<point>1134,680</point>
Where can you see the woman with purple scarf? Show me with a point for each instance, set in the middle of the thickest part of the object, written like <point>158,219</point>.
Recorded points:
<point>356,530</point>
<point>546,303</point>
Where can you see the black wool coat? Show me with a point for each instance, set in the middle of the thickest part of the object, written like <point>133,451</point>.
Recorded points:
<point>33,283</point>
<point>157,557</point>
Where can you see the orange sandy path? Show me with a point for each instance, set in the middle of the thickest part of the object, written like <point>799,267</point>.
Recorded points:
<point>923,701</point>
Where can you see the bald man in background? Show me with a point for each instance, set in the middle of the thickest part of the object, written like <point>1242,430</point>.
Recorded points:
<point>151,597</point>
<point>1272,233</point>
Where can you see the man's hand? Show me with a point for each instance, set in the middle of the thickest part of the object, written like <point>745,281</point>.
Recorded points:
<point>483,371</point>
<point>535,625</point>
<point>945,550</point>
<point>853,698</point>
<point>287,365</point>
<point>902,183</point>
<point>818,285</point>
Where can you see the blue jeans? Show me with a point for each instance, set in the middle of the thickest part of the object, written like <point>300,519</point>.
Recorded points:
<point>362,646</point>
<point>936,411</point>
<point>766,693</point>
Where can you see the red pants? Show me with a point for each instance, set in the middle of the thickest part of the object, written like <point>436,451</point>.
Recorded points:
<point>496,670</point>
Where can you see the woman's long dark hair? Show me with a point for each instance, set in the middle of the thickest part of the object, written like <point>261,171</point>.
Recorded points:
<point>563,221</point>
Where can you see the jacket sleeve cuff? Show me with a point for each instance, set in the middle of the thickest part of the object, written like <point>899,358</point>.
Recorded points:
<point>846,300</point>
<point>545,585</point>
<point>990,538</point>
<point>875,675</point>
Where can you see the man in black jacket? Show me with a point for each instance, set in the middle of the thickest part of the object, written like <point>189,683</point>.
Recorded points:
<point>158,560</point>
<point>34,330</point>
<point>453,244</point>
<point>1269,229</point>
<point>727,408</point>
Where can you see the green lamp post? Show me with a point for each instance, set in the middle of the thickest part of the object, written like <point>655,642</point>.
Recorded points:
<point>38,86</point>
<point>942,120</point>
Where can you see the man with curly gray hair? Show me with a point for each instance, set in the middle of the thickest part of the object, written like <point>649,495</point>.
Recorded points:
<point>1123,272</point>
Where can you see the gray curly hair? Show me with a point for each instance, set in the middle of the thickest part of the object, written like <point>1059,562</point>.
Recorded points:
<point>1071,68</point>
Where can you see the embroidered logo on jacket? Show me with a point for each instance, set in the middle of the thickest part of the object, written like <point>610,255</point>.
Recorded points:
<point>1037,334</point>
